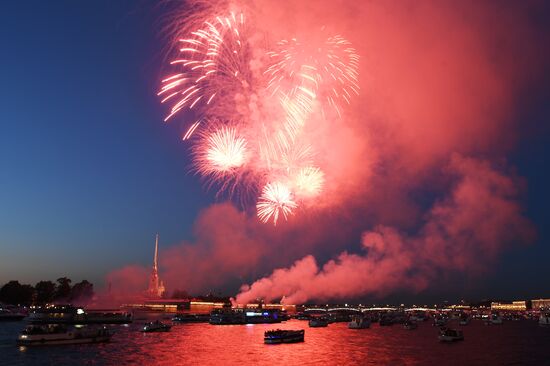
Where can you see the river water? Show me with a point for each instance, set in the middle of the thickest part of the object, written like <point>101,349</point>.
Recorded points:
<point>513,343</point>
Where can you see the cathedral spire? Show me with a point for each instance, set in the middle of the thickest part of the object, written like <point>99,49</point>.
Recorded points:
<point>155,263</point>
<point>156,286</point>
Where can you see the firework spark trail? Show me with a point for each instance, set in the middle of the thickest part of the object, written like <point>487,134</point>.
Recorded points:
<point>252,123</point>
<point>212,58</point>
<point>327,71</point>
<point>190,130</point>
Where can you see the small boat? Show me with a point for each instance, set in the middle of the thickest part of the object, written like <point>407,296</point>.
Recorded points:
<point>156,326</point>
<point>57,334</point>
<point>399,319</point>
<point>359,322</point>
<point>318,322</point>
<point>494,319</point>
<point>283,336</point>
<point>7,315</point>
<point>450,335</point>
<point>385,321</point>
<point>410,325</point>
<point>439,322</point>
<point>417,317</point>
<point>544,320</point>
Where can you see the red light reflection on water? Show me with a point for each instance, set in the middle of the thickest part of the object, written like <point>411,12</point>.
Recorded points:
<point>243,344</point>
<point>203,344</point>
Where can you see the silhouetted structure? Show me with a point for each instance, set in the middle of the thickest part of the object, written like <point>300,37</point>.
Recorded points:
<point>156,286</point>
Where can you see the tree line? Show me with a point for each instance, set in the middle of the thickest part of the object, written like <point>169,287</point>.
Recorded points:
<point>45,292</point>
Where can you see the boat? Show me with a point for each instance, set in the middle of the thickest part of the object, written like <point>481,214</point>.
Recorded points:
<point>439,322</point>
<point>318,322</point>
<point>338,317</point>
<point>68,314</point>
<point>398,319</point>
<point>283,336</point>
<point>56,314</point>
<point>57,334</point>
<point>494,319</point>
<point>450,335</point>
<point>417,317</point>
<point>227,317</point>
<point>410,325</point>
<point>8,315</point>
<point>359,322</point>
<point>106,316</point>
<point>544,320</point>
<point>191,318</point>
<point>261,316</point>
<point>156,326</point>
<point>464,321</point>
<point>384,321</point>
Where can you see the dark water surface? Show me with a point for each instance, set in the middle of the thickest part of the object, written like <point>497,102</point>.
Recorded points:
<point>513,343</point>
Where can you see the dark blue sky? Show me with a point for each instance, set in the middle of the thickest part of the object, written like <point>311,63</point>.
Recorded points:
<point>89,173</point>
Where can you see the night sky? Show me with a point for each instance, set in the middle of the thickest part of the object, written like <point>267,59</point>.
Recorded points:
<point>89,172</point>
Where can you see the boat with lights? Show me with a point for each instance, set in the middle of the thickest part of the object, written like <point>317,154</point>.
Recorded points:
<point>318,322</point>
<point>9,315</point>
<point>58,334</point>
<point>544,319</point>
<point>359,322</point>
<point>156,326</point>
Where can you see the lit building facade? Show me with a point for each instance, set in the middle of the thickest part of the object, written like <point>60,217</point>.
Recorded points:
<point>507,306</point>
<point>540,303</point>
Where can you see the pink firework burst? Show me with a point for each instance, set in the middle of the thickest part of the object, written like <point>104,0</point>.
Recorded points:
<point>254,108</point>
<point>212,62</point>
<point>308,182</point>
<point>276,200</point>
<point>220,152</point>
<point>305,72</point>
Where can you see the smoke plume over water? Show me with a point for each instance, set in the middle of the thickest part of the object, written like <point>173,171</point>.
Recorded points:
<point>417,163</point>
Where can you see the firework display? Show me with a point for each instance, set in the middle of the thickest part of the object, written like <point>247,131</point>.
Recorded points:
<point>252,103</point>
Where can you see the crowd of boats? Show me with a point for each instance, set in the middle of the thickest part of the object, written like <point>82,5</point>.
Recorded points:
<point>65,324</point>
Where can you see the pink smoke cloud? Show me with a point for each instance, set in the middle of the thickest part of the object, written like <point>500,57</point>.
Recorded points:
<point>466,230</point>
<point>438,79</point>
<point>225,248</point>
<point>123,285</point>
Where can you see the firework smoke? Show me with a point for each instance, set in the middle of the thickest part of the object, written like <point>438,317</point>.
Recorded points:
<point>384,168</point>
<point>467,230</point>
